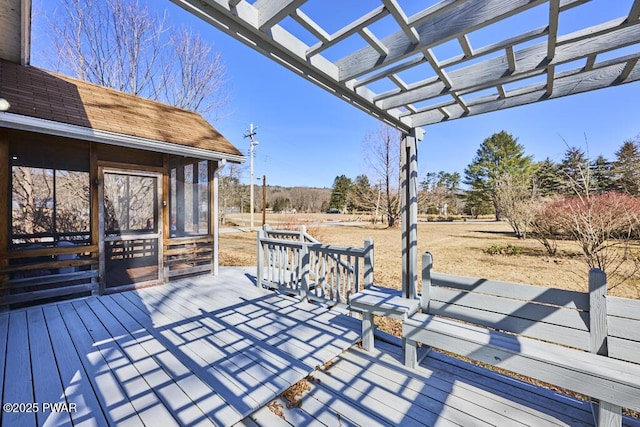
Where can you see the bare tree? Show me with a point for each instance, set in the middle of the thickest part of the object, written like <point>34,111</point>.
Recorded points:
<point>122,45</point>
<point>516,197</point>
<point>382,157</point>
<point>231,191</point>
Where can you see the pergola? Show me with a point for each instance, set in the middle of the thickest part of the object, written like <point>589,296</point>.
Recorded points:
<point>532,66</point>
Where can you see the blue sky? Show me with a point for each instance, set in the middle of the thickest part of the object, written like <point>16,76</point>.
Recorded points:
<point>308,136</point>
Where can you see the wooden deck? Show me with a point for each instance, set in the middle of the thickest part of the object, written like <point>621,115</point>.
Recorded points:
<point>217,350</point>
<point>374,388</point>
<point>204,351</point>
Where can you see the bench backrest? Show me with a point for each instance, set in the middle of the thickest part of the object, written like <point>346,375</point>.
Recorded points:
<point>553,315</point>
<point>623,324</point>
<point>590,321</point>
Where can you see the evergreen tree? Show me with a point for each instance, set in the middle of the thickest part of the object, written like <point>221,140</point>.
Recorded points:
<point>626,168</point>
<point>498,156</point>
<point>575,176</point>
<point>547,177</point>
<point>362,196</point>
<point>602,175</point>
<point>340,193</point>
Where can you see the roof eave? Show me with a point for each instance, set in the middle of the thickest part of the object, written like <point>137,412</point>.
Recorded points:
<point>49,127</point>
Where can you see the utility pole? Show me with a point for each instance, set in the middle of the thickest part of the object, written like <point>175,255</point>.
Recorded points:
<point>252,143</point>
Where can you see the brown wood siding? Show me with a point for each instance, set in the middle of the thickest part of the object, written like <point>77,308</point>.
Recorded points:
<point>115,154</point>
<point>46,151</point>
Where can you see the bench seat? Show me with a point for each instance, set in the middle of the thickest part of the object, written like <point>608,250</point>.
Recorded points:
<point>376,301</point>
<point>600,377</point>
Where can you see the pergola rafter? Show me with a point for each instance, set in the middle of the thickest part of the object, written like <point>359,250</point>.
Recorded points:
<point>406,103</point>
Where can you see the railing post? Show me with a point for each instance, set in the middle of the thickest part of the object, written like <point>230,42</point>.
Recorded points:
<point>303,233</point>
<point>368,264</point>
<point>260,258</point>
<point>427,266</point>
<point>598,311</point>
<point>604,413</point>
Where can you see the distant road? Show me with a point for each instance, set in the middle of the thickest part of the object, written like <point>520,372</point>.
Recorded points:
<point>237,229</point>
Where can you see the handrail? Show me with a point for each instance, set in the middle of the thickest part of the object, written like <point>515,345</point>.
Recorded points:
<point>310,268</point>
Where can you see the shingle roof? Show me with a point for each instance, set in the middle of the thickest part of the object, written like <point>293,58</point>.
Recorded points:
<point>46,95</point>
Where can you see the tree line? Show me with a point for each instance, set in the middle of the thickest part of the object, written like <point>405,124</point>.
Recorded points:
<point>594,202</point>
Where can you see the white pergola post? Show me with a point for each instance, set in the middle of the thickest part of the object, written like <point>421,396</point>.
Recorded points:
<point>409,212</point>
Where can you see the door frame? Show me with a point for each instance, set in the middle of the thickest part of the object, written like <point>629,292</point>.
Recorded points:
<point>134,170</point>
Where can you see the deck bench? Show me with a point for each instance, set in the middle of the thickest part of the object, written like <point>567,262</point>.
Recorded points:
<point>552,335</point>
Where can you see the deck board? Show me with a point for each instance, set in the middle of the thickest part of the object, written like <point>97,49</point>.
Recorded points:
<point>128,372</point>
<point>18,372</point>
<point>78,388</point>
<point>200,391</point>
<point>47,384</point>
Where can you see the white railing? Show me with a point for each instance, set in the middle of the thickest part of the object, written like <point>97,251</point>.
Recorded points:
<point>295,262</point>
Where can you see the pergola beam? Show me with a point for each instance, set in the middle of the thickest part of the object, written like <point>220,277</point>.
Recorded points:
<point>373,41</point>
<point>554,13</point>
<point>467,17</point>
<point>310,25</point>
<point>455,89</point>
<point>465,46</point>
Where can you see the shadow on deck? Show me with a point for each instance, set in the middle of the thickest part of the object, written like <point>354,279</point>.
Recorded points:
<point>218,350</point>
<point>374,388</point>
<point>205,351</point>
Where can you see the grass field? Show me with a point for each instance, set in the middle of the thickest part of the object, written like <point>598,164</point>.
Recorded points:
<point>457,248</point>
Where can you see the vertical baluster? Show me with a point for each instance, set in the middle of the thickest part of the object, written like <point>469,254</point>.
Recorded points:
<point>335,295</point>
<point>325,279</point>
<point>316,271</point>
<point>350,281</point>
<point>290,271</point>
<point>280,275</point>
<point>356,278</point>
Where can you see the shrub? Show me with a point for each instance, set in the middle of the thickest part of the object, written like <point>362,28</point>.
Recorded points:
<point>545,226</point>
<point>497,249</point>
<point>604,225</point>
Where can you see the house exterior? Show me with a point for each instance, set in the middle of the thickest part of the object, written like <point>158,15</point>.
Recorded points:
<point>100,190</point>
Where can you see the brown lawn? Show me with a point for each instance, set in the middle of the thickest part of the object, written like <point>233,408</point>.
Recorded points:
<point>457,248</point>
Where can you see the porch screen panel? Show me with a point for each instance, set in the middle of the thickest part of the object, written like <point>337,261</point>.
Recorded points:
<point>129,204</point>
<point>50,192</point>
<point>189,198</point>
